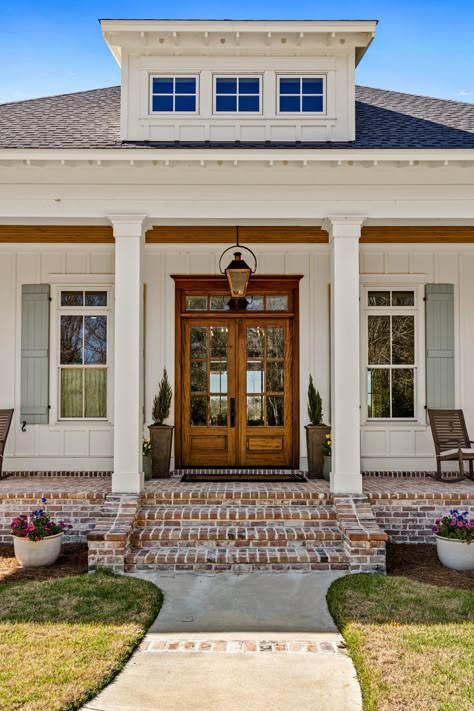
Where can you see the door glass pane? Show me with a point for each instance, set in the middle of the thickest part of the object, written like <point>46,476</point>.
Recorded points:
<point>403,340</point>
<point>71,392</point>
<point>378,298</point>
<point>71,340</point>
<point>198,411</point>
<point>218,377</point>
<point>255,376</point>
<point>255,342</point>
<point>275,342</point>
<point>403,298</point>
<point>403,401</point>
<point>219,303</point>
<point>275,377</point>
<point>275,411</point>
<point>196,303</point>
<point>198,376</point>
<point>95,340</point>
<point>378,392</point>
<point>379,340</point>
<point>277,303</point>
<point>219,337</point>
<point>255,411</point>
<point>255,303</point>
<point>198,342</point>
<point>95,392</point>
<point>218,406</point>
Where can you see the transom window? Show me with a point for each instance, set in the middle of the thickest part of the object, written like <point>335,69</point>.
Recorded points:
<point>219,302</point>
<point>237,94</point>
<point>173,94</point>
<point>301,94</point>
<point>83,354</point>
<point>391,354</point>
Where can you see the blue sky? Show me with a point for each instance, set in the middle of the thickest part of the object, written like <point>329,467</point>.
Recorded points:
<point>421,46</point>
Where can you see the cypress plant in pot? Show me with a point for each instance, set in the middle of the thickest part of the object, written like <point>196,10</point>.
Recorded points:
<point>316,433</point>
<point>161,435</point>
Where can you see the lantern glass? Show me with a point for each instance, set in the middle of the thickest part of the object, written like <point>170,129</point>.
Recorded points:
<point>238,275</point>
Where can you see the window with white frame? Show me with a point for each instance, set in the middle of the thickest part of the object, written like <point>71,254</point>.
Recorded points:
<point>301,94</point>
<point>173,94</point>
<point>236,94</point>
<point>391,353</point>
<point>84,319</point>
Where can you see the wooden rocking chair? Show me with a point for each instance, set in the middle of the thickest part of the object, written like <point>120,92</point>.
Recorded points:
<point>5,422</point>
<point>451,441</point>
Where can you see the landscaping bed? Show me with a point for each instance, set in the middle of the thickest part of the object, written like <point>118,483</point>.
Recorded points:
<point>420,562</point>
<point>72,561</point>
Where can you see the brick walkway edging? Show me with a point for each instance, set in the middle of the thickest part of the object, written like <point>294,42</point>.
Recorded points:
<point>109,541</point>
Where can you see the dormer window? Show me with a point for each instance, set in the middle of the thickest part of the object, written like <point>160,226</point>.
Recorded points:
<point>173,94</point>
<point>303,94</point>
<point>237,94</point>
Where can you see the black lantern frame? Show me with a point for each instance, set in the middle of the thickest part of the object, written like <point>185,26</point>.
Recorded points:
<point>238,274</point>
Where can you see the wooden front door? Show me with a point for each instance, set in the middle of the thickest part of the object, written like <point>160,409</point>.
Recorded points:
<point>237,390</point>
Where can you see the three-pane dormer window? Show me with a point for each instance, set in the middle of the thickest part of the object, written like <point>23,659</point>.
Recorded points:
<point>303,94</point>
<point>173,94</point>
<point>237,94</point>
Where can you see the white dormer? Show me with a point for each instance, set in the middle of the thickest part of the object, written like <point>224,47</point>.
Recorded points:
<point>223,80</point>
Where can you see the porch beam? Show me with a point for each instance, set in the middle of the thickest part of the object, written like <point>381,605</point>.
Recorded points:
<point>129,233</point>
<point>344,234</point>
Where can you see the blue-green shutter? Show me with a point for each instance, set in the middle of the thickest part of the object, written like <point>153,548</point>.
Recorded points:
<point>35,307</point>
<point>439,346</point>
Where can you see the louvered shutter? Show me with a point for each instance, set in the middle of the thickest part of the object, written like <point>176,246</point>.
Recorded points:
<point>35,308</point>
<point>439,301</point>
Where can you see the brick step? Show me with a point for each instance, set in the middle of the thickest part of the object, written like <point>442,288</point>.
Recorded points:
<point>238,559</point>
<point>237,494</point>
<point>224,535</point>
<point>236,515</point>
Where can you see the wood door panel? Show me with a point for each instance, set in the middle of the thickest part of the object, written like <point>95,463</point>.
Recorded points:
<point>265,444</point>
<point>209,443</point>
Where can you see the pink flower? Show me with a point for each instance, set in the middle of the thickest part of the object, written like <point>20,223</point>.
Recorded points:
<point>435,529</point>
<point>453,522</point>
<point>437,522</point>
<point>460,524</point>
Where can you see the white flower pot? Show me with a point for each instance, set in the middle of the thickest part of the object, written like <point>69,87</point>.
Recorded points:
<point>458,555</point>
<point>33,554</point>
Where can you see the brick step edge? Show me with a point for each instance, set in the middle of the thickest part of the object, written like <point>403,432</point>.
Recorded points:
<point>233,515</point>
<point>233,535</point>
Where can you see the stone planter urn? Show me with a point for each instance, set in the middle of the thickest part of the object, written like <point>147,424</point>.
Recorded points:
<point>315,436</point>
<point>327,467</point>
<point>161,440</point>
<point>454,553</point>
<point>147,466</point>
<point>34,554</point>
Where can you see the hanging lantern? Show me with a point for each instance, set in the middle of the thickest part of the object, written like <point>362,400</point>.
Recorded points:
<point>238,274</point>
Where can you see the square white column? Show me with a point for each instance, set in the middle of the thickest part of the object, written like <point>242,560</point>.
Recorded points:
<point>129,233</point>
<point>344,233</point>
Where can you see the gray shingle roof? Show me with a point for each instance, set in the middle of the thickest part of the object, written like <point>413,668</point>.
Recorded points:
<point>91,119</point>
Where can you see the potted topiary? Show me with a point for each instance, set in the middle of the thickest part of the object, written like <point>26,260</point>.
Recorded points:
<point>161,435</point>
<point>455,540</point>
<point>316,432</point>
<point>36,538</point>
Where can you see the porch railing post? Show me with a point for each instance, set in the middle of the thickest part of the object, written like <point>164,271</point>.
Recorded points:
<point>129,233</point>
<point>344,233</point>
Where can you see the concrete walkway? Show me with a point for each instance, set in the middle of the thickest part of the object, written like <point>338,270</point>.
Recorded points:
<point>254,642</point>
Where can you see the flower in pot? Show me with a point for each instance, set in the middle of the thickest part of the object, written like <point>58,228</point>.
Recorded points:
<point>37,538</point>
<point>147,457</point>
<point>327,448</point>
<point>455,540</point>
<point>161,435</point>
<point>316,432</point>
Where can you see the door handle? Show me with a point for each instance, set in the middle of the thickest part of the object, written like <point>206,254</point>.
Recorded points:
<point>232,411</point>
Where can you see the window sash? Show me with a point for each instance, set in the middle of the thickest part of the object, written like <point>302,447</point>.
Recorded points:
<point>301,97</point>
<point>237,93</point>
<point>174,94</point>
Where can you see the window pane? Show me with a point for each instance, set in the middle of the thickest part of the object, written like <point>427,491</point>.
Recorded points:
<point>378,298</point>
<point>275,376</point>
<point>378,392</point>
<point>289,103</point>
<point>219,336</point>
<point>275,342</point>
<point>218,407</point>
<point>226,86</point>
<point>95,340</point>
<point>312,86</point>
<point>403,298</point>
<point>196,303</point>
<point>403,401</point>
<point>255,376</point>
<point>249,103</point>
<point>71,298</point>
<point>71,392</point>
<point>185,103</point>
<point>255,342</point>
<point>226,103</point>
<point>96,298</point>
<point>249,86</point>
<point>277,303</point>
<point>312,103</point>
<point>255,411</point>
<point>403,340</point>
<point>218,377</point>
<point>198,342</point>
<point>163,85</point>
<point>199,411</point>
<point>219,303</point>
<point>185,85</point>
<point>162,103</point>
<point>379,340</point>
<point>275,411</point>
<point>290,86</point>
<point>198,376</point>
<point>95,385</point>
<point>255,303</point>
<point>71,340</point>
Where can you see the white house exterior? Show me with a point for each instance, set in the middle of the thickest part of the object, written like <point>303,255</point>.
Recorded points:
<point>366,195</point>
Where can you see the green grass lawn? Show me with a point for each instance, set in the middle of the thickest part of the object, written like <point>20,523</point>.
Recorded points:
<point>62,640</point>
<point>412,644</point>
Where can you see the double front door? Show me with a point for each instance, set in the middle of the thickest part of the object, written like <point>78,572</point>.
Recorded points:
<point>237,383</point>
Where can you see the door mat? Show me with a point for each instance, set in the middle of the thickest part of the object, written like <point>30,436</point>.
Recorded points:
<point>244,477</point>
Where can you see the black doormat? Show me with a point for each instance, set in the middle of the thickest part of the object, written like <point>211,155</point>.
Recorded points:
<point>267,477</point>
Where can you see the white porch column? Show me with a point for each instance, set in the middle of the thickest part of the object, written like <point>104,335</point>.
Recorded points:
<point>129,233</point>
<point>344,233</point>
